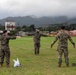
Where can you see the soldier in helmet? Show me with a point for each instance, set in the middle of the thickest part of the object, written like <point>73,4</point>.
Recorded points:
<point>36,38</point>
<point>63,37</point>
<point>5,51</point>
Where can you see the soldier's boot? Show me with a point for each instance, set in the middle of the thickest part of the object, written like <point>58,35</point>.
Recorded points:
<point>67,65</point>
<point>59,65</point>
<point>1,65</point>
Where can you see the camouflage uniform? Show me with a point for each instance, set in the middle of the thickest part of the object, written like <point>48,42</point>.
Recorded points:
<point>5,51</point>
<point>37,36</point>
<point>63,37</point>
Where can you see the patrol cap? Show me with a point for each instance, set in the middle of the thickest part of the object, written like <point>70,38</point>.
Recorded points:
<point>4,31</point>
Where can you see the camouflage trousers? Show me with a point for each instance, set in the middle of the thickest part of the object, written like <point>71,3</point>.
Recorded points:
<point>36,48</point>
<point>5,53</point>
<point>60,52</point>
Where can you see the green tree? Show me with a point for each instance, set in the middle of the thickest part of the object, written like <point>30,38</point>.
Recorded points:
<point>32,27</point>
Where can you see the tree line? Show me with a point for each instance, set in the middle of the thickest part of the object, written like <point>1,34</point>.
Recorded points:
<point>31,28</point>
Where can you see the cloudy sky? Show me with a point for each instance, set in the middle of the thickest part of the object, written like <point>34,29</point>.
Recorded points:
<point>37,7</point>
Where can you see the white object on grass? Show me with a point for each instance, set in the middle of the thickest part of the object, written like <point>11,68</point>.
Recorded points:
<point>16,63</point>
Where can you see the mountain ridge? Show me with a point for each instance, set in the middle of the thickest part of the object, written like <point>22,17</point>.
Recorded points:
<point>38,21</point>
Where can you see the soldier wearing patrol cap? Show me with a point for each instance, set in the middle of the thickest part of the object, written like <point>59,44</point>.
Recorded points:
<point>36,38</point>
<point>63,37</point>
<point>5,50</point>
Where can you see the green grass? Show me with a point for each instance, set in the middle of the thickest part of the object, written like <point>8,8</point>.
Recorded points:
<point>43,64</point>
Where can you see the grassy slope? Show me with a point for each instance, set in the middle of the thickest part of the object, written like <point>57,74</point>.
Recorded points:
<point>43,64</point>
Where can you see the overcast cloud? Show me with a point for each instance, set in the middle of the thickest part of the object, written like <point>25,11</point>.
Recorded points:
<point>38,8</point>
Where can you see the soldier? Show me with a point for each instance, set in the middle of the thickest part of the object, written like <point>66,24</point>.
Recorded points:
<point>5,51</point>
<point>36,38</point>
<point>63,37</point>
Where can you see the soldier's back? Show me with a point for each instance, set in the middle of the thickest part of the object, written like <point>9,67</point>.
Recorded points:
<point>63,38</point>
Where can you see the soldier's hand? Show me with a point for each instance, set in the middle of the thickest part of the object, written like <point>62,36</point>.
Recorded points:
<point>74,46</point>
<point>51,46</point>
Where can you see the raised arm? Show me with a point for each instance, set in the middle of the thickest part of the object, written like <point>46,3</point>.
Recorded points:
<point>11,37</point>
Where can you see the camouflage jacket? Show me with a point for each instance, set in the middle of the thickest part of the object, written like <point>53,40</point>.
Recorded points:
<point>63,37</point>
<point>5,40</point>
<point>37,37</point>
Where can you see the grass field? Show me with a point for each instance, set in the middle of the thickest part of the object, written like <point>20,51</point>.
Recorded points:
<point>43,64</point>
